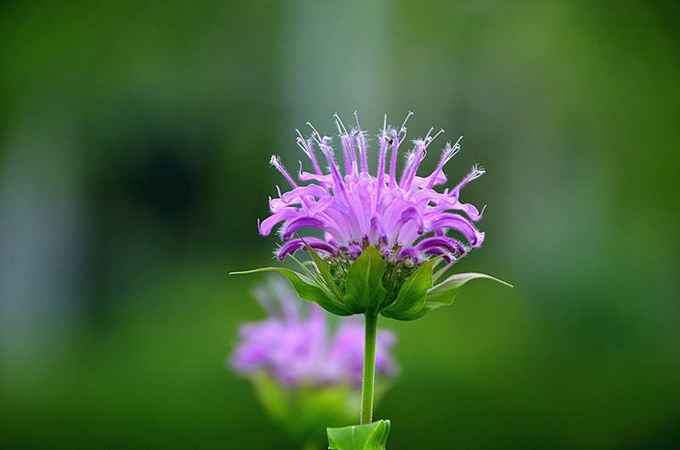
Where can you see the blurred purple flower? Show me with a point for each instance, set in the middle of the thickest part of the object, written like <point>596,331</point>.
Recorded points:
<point>296,346</point>
<point>403,215</point>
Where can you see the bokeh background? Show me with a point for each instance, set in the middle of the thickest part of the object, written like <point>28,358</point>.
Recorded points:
<point>134,142</point>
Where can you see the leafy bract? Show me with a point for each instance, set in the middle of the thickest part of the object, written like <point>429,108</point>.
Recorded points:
<point>307,289</point>
<point>364,288</point>
<point>324,270</point>
<point>445,292</point>
<point>411,297</point>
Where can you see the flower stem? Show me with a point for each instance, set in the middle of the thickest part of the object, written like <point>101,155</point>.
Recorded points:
<point>371,319</point>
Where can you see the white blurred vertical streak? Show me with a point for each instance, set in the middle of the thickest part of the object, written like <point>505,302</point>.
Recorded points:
<point>40,240</point>
<point>334,59</point>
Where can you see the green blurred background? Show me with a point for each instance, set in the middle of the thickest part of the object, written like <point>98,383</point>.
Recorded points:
<point>134,141</point>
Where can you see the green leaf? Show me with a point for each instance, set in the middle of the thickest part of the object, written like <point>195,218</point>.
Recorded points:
<point>445,292</point>
<point>308,268</point>
<point>364,289</point>
<point>411,298</point>
<point>324,270</point>
<point>306,289</point>
<point>372,436</point>
<point>306,411</point>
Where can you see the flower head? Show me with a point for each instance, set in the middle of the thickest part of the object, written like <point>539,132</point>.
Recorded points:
<point>404,216</point>
<point>377,240</point>
<point>295,345</point>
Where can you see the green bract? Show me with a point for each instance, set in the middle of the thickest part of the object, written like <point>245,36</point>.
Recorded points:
<point>363,286</point>
<point>371,283</point>
<point>372,436</point>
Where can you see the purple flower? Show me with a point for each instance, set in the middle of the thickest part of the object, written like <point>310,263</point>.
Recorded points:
<point>403,215</point>
<point>296,346</point>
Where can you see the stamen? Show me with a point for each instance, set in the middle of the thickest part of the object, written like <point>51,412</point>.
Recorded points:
<point>315,134</point>
<point>352,153</point>
<point>345,152</point>
<point>475,173</point>
<point>338,123</point>
<point>427,137</point>
<point>393,163</point>
<point>448,153</point>
<point>403,128</point>
<point>276,162</point>
<point>363,150</point>
<point>337,178</point>
<point>308,149</point>
<point>420,153</point>
<point>428,142</point>
<point>410,157</point>
<point>381,165</point>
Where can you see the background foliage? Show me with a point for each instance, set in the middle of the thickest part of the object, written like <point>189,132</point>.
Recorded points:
<point>134,140</point>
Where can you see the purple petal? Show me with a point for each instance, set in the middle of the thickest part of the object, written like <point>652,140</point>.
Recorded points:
<point>289,248</point>
<point>412,213</point>
<point>460,224</point>
<point>408,251</point>
<point>296,225</point>
<point>318,244</point>
<point>270,222</point>
<point>437,251</point>
<point>444,242</point>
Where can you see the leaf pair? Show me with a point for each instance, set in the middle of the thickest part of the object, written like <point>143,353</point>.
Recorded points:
<point>363,285</point>
<point>364,289</point>
<point>445,292</point>
<point>417,296</point>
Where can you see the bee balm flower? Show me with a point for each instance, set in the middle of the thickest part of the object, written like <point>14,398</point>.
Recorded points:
<point>402,215</point>
<point>376,239</point>
<point>296,347</point>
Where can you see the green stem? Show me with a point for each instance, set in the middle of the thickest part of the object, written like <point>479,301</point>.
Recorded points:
<point>369,368</point>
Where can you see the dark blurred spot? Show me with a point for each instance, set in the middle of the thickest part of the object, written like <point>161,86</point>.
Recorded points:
<point>165,184</point>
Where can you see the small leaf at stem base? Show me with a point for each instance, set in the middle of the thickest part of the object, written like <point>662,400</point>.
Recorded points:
<point>372,436</point>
